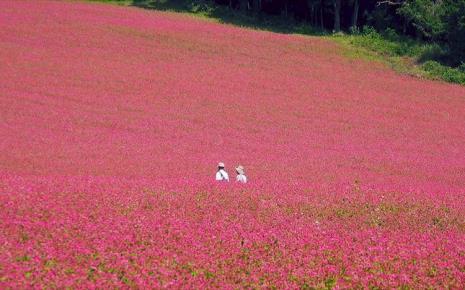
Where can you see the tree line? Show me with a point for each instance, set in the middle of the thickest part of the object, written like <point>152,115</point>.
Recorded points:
<point>438,21</point>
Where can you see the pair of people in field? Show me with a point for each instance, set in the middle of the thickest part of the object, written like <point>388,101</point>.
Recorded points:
<point>222,175</point>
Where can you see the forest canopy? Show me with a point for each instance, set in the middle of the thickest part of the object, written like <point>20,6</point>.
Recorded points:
<point>438,21</point>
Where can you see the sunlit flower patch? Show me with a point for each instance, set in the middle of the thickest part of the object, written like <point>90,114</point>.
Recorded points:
<point>112,122</point>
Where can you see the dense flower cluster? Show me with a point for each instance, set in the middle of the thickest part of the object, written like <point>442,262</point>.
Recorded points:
<point>112,121</point>
<point>106,232</point>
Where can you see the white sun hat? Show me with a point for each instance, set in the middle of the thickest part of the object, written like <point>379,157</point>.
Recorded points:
<point>220,164</point>
<point>240,169</point>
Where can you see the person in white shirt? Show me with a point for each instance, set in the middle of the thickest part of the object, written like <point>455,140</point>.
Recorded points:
<point>240,174</point>
<point>221,174</point>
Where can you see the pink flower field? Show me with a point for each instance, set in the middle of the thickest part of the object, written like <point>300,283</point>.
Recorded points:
<point>112,121</point>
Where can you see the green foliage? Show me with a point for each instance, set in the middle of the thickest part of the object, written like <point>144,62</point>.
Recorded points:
<point>440,21</point>
<point>381,18</point>
<point>426,16</point>
<point>455,21</point>
<point>454,75</point>
<point>390,43</point>
<point>24,258</point>
<point>396,50</point>
<point>330,283</point>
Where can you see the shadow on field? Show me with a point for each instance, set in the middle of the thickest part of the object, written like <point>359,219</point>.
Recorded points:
<point>240,17</point>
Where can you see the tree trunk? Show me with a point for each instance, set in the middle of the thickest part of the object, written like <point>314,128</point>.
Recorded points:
<point>314,16</point>
<point>311,14</point>
<point>337,15</point>
<point>247,4</point>
<point>322,24</point>
<point>258,5</point>
<point>355,15</point>
<point>310,6</point>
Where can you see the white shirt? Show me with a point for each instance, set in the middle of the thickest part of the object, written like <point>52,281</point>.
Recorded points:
<point>241,178</point>
<point>222,175</point>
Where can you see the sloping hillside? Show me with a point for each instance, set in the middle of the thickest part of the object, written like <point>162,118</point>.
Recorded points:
<point>107,112</point>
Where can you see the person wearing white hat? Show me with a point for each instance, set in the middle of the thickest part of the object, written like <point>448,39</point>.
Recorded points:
<point>221,174</point>
<point>240,174</point>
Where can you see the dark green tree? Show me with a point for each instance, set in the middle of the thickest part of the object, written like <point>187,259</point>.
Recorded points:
<point>337,15</point>
<point>455,26</point>
<point>426,16</point>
